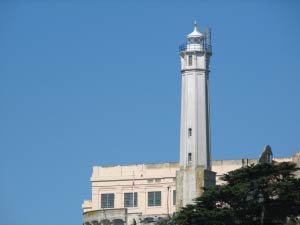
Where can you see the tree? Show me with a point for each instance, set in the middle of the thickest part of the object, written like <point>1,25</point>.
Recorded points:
<point>255,195</point>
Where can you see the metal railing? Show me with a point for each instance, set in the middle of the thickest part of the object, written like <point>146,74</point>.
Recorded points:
<point>194,47</point>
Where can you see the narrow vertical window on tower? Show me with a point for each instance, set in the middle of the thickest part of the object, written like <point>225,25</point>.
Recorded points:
<point>190,157</point>
<point>190,60</point>
<point>190,132</point>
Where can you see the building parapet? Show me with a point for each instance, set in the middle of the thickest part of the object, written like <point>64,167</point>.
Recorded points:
<point>134,171</point>
<point>87,205</point>
<point>165,170</point>
<point>105,216</point>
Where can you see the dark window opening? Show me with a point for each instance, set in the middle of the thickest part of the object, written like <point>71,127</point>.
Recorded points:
<point>190,60</point>
<point>129,198</point>
<point>107,200</point>
<point>190,157</point>
<point>154,198</point>
<point>190,132</point>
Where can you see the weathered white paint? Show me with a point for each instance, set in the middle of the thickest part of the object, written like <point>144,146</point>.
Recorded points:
<point>195,105</point>
<point>195,152</point>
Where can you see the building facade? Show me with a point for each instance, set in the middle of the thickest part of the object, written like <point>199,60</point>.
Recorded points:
<point>154,188</point>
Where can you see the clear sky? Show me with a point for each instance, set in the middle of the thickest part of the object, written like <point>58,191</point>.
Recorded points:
<point>93,82</point>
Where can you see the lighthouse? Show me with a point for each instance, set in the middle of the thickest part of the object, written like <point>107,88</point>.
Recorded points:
<point>195,149</point>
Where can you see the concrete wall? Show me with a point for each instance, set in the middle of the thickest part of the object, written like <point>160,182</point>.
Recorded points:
<point>146,177</point>
<point>96,217</point>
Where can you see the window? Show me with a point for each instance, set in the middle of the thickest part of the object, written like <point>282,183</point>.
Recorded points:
<point>129,198</point>
<point>190,132</point>
<point>107,200</point>
<point>174,197</point>
<point>190,157</point>
<point>154,198</point>
<point>190,60</point>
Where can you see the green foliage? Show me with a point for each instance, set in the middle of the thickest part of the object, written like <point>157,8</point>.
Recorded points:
<point>255,195</point>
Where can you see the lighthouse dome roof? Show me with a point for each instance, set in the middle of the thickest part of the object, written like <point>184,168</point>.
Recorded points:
<point>195,33</point>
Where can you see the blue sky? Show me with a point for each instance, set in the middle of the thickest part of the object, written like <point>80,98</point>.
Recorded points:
<point>86,83</point>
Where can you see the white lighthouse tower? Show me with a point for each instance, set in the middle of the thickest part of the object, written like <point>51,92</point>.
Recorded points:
<point>195,152</point>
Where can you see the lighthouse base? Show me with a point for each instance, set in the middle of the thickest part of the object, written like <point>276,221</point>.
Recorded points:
<point>190,182</point>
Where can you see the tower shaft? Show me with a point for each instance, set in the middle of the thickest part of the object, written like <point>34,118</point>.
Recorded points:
<point>195,150</point>
<point>195,126</point>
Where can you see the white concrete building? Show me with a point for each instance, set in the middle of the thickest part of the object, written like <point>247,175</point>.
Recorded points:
<point>154,186</point>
